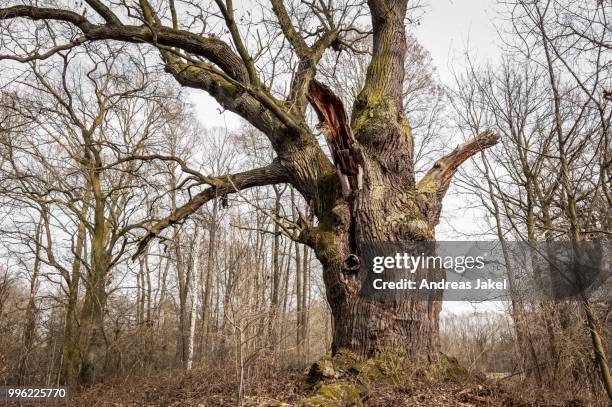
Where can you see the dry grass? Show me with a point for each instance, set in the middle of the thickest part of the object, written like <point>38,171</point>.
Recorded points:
<point>388,380</point>
<point>376,383</point>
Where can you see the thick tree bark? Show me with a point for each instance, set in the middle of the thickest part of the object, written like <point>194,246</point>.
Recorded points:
<point>380,199</point>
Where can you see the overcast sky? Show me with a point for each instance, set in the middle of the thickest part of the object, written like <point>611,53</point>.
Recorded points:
<point>449,27</point>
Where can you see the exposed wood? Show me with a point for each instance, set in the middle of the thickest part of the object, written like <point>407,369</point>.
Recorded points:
<point>339,136</point>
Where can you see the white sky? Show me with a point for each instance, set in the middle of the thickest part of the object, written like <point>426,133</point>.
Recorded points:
<point>449,27</point>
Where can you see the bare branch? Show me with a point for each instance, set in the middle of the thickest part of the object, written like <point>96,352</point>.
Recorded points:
<point>213,49</point>
<point>438,178</point>
<point>40,57</point>
<point>104,11</point>
<point>268,175</point>
<point>297,42</point>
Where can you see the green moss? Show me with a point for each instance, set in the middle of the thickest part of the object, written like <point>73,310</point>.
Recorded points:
<point>327,191</point>
<point>388,366</point>
<point>227,91</point>
<point>185,67</point>
<point>354,377</point>
<point>447,370</point>
<point>374,111</point>
<point>406,129</point>
<point>323,369</point>
<point>428,185</point>
<point>344,359</point>
<point>338,394</point>
<point>325,243</point>
<point>223,90</point>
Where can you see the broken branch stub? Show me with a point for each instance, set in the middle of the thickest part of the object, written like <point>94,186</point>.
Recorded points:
<point>334,122</point>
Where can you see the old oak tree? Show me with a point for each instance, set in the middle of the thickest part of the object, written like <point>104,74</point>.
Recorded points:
<point>366,191</point>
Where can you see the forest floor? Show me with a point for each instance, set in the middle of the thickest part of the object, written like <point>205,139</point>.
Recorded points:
<point>342,381</point>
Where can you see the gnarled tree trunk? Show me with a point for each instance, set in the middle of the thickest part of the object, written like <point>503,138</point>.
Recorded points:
<point>380,199</point>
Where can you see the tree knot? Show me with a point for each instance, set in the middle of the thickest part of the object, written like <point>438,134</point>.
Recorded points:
<point>351,264</point>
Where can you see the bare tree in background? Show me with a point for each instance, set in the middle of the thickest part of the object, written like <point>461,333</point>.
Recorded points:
<point>548,181</point>
<point>78,166</point>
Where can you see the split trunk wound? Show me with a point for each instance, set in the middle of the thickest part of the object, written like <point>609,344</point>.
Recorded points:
<point>346,155</point>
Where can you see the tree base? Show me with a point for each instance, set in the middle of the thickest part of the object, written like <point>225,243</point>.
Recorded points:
<point>366,328</point>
